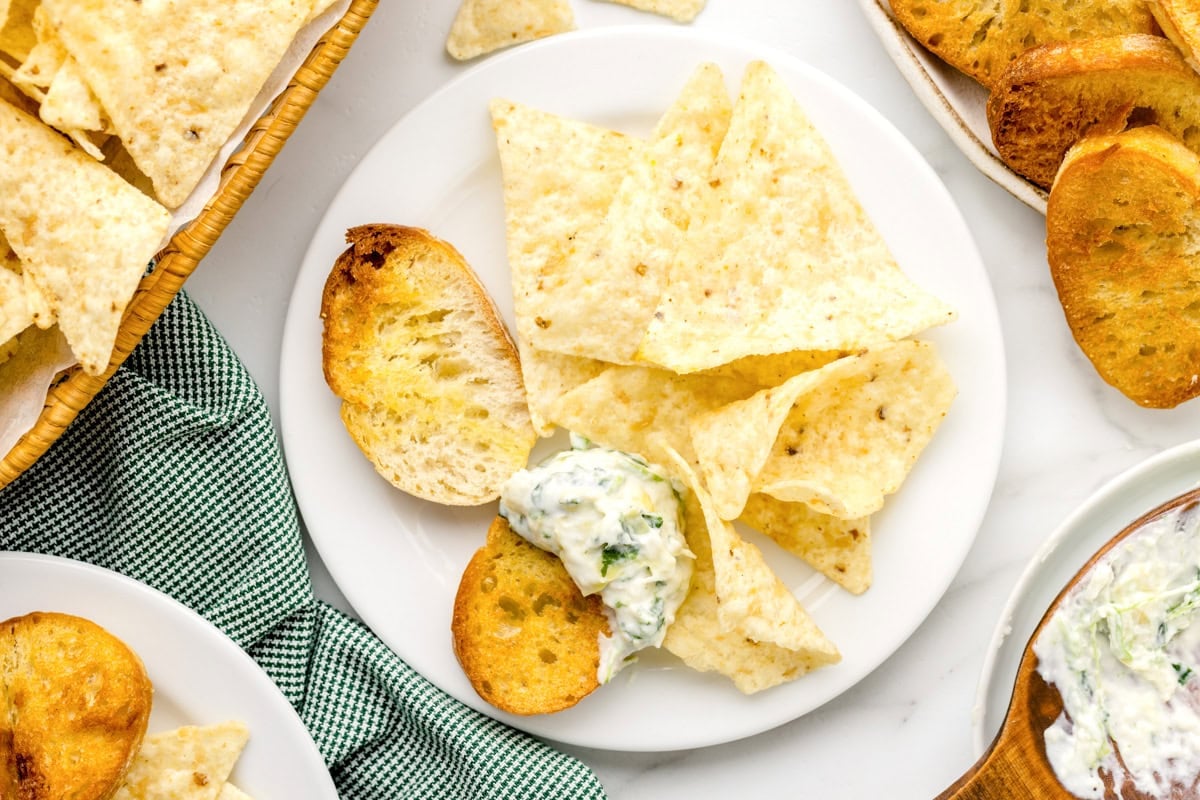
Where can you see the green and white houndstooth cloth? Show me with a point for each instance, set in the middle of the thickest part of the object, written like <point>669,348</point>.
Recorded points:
<point>173,476</point>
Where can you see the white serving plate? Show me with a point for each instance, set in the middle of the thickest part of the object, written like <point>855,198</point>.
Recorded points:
<point>398,560</point>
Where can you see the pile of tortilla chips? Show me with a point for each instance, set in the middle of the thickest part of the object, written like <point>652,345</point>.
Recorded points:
<point>188,763</point>
<point>111,113</point>
<point>715,298</point>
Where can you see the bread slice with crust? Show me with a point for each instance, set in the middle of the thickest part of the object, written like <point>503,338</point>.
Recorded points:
<point>981,37</point>
<point>76,702</point>
<point>1122,234</point>
<point>1180,21</point>
<point>428,376</point>
<point>1052,96</point>
<point>526,637</point>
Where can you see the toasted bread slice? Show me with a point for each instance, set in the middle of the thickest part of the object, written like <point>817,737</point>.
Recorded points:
<point>1121,227</point>
<point>1180,21</point>
<point>1052,96</point>
<point>428,376</point>
<point>77,702</point>
<point>981,37</point>
<point>526,637</point>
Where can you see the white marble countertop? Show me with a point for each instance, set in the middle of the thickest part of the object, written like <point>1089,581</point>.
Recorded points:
<point>904,731</point>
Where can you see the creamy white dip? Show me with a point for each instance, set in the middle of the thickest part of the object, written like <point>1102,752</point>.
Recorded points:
<point>1124,654</point>
<point>616,523</point>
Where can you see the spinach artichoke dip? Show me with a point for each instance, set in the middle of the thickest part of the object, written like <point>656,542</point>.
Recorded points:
<point>616,523</point>
<point>1123,652</point>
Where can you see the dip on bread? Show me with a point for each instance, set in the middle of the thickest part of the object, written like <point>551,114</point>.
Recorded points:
<point>616,523</point>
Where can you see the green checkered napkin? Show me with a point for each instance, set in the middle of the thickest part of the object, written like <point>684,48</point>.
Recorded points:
<point>173,476</point>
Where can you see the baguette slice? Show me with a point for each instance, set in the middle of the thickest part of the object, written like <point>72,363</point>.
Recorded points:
<point>76,702</point>
<point>1121,227</point>
<point>981,37</point>
<point>526,637</point>
<point>1180,21</point>
<point>428,376</point>
<point>1052,96</point>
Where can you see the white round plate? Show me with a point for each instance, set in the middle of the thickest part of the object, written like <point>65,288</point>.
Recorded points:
<point>398,560</point>
<point>957,102</point>
<point>200,676</point>
<point>1105,514</point>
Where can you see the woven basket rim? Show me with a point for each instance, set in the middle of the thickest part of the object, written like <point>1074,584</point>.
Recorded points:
<point>181,255</point>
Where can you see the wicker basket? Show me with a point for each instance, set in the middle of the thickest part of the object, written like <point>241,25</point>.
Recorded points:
<point>192,242</point>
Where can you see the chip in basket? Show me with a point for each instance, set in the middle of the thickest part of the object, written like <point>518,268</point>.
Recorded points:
<point>53,200</point>
<point>176,77</point>
<point>16,28</point>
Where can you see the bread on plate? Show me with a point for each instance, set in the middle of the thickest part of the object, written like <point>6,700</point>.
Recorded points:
<point>428,376</point>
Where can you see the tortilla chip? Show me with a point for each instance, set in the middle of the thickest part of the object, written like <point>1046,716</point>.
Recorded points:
<point>42,62</point>
<point>851,439</point>
<point>26,375</point>
<point>70,104</point>
<point>17,36</point>
<point>625,408</point>
<point>772,370</point>
<point>599,300</point>
<point>53,200</point>
<point>560,177</point>
<point>549,376</point>
<point>189,763</point>
<point>780,256</point>
<point>177,76</point>
<point>697,639</point>
<point>482,26</point>
<point>678,10</point>
<point>8,349</point>
<point>231,792</point>
<point>751,602</point>
<point>840,549</point>
<point>734,441</point>
<point>15,312</point>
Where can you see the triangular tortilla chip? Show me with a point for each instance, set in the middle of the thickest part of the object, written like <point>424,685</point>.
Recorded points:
<point>852,439</point>
<point>840,549</point>
<point>773,370</point>
<point>549,376</point>
<point>176,77</point>
<point>603,294</point>
<point>189,763</point>
<point>678,10</point>
<point>560,177</point>
<point>782,257</point>
<point>625,408</point>
<point>482,26</point>
<point>732,442</point>
<point>51,77</point>
<point>839,438</point>
<point>751,601</point>
<point>84,236</point>
<point>17,37</point>
<point>15,312</point>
